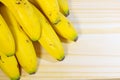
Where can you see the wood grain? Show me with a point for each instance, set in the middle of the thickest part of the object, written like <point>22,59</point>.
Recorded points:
<point>96,54</point>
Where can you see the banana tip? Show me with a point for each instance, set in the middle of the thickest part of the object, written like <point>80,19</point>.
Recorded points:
<point>10,55</point>
<point>66,14</point>
<point>18,78</point>
<point>61,59</point>
<point>76,39</point>
<point>32,73</point>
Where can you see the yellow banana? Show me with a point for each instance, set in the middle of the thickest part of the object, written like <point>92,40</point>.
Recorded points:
<point>9,66</point>
<point>50,8</point>
<point>7,44</point>
<point>24,14</point>
<point>64,7</point>
<point>49,39</point>
<point>25,51</point>
<point>65,29</point>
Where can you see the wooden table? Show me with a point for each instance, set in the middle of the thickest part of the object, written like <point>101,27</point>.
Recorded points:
<point>96,54</point>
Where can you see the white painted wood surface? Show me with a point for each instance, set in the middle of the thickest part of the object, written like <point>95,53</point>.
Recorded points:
<point>96,54</point>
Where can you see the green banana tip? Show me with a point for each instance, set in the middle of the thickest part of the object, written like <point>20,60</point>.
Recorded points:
<point>9,55</point>
<point>76,39</point>
<point>67,13</point>
<point>61,59</point>
<point>18,78</point>
<point>32,73</point>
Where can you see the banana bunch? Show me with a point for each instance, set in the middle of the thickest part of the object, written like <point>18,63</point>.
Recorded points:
<point>25,22</point>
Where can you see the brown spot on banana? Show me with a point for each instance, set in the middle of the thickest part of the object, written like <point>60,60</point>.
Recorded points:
<point>27,41</point>
<point>20,2</point>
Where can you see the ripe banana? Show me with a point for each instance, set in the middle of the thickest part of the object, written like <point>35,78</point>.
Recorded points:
<point>50,8</point>
<point>9,66</point>
<point>7,44</point>
<point>25,51</point>
<point>49,39</point>
<point>25,16</point>
<point>64,7</point>
<point>65,29</point>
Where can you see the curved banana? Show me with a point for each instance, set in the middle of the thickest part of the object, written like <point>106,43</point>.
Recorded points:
<point>25,51</point>
<point>7,44</point>
<point>50,8</point>
<point>49,40</point>
<point>65,29</point>
<point>9,66</point>
<point>25,16</point>
<point>64,7</point>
